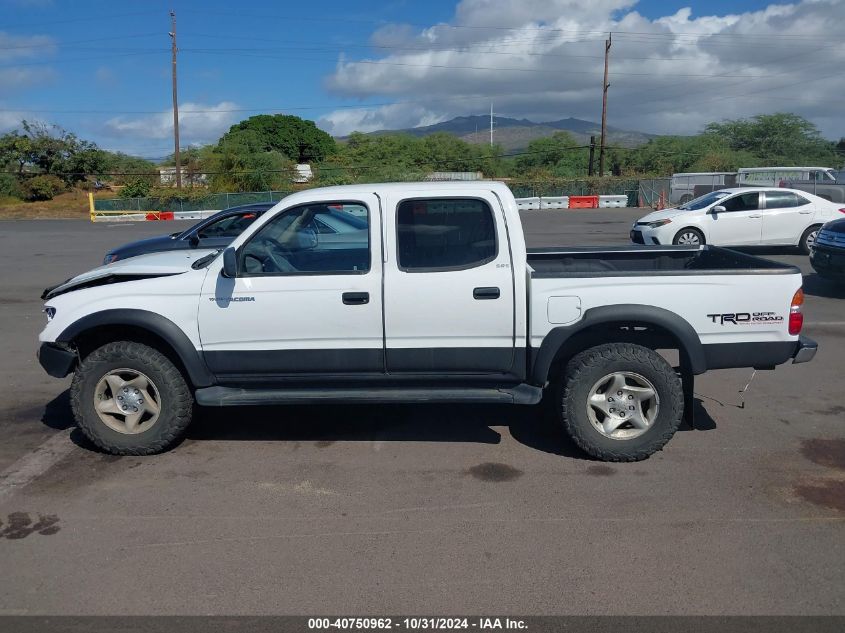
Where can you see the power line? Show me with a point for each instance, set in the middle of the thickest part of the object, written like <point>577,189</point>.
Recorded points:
<point>88,18</point>
<point>543,29</point>
<point>61,44</point>
<point>454,67</point>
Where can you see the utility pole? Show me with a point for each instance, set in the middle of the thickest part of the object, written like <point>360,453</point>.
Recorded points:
<point>605,86</point>
<point>592,155</point>
<point>173,50</point>
<point>491,124</point>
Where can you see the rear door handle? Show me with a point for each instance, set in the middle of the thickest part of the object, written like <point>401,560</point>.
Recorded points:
<point>490,292</point>
<point>755,216</point>
<point>356,298</point>
<point>807,212</point>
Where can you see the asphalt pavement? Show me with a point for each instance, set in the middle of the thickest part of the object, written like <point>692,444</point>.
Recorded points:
<point>419,509</point>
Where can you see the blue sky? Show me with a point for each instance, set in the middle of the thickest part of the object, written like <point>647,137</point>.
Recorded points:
<point>102,68</point>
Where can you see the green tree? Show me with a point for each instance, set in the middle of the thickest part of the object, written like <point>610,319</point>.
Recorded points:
<point>777,139</point>
<point>295,138</point>
<point>130,169</point>
<point>15,150</point>
<point>559,154</point>
<point>51,150</point>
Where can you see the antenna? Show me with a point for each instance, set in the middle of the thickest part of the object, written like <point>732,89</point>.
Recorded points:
<point>491,124</point>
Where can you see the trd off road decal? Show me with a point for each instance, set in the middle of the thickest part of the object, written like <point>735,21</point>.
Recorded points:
<point>745,318</point>
<point>227,299</point>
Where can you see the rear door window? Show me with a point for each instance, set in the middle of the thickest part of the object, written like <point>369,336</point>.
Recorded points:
<point>445,234</point>
<point>784,200</point>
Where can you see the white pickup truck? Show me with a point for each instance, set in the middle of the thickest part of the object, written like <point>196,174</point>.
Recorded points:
<point>436,300</point>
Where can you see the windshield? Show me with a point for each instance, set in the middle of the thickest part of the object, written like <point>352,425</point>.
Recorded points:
<point>704,201</point>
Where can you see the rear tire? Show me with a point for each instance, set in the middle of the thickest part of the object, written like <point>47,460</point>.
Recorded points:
<point>689,237</point>
<point>808,238</point>
<point>130,399</point>
<point>621,402</point>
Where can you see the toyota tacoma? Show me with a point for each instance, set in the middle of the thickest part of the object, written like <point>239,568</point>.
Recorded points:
<point>435,298</point>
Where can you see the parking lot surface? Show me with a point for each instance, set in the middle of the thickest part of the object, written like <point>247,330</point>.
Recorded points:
<point>419,509</point>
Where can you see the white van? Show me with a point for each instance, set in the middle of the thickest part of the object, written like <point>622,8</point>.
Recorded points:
<point>781,176</point>
<point>686,186</point>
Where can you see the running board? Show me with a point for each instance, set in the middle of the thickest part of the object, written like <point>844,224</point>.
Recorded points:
<point>235,397</point>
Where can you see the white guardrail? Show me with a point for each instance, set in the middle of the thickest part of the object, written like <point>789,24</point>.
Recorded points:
<point>547,203</point>
<point>562,202</point>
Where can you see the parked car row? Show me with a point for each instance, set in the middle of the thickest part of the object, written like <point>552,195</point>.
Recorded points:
<point>740,216</point>
<point>819,181</point>
<point>736,216</point>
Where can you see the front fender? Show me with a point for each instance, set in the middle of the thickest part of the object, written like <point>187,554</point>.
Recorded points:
<point>155,324</point>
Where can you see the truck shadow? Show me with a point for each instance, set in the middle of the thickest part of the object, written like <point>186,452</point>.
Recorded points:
<point>534,427</point>
<point>762,251</point>
<point>816,286</point>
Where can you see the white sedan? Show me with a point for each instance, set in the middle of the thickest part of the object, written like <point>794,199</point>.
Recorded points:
<point>744,216</point>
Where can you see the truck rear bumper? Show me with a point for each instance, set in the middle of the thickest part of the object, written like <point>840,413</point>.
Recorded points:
<point>807,348</point>
<point>759,355</point>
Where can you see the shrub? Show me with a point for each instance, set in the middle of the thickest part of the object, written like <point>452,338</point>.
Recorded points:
<point>43,187</point>
<point>9,186</point>
<point>138,187</point>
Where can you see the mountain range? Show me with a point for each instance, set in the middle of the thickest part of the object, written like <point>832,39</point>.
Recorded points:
<point>515,134</point>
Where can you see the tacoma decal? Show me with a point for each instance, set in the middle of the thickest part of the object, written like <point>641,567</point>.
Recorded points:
<point>227,299</point>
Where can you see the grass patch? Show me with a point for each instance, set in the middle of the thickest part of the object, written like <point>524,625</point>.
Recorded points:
<point>73,204</point>
<point>8,200</point>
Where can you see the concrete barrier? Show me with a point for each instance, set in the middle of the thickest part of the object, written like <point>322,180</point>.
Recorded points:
<point>615,202</point>
<point>560,202</point>
<point>528,204</point>
<point>150,216</point>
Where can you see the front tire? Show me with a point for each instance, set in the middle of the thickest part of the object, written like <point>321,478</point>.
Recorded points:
<point>621,402</point>
<point>808,238</point>
<point>689,237</point>
<point>130,399</point>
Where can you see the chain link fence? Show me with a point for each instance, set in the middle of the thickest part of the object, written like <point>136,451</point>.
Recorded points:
<point>646,192</point>
<point>595,187</point>
<point>213,201</point>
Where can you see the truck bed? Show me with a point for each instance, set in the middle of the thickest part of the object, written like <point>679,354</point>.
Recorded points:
<point>648,260</point>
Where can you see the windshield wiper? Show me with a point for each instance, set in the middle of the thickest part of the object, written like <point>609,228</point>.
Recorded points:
<point>205,260</point>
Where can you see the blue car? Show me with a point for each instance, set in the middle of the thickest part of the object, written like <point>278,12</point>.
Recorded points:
<point>827,255</point>
<point>216,231</point>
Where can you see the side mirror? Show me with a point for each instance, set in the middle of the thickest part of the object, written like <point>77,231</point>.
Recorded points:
<point>230,263</point>
<point>718,209</point>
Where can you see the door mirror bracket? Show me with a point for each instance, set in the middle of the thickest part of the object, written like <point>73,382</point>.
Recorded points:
<point>230,263</point>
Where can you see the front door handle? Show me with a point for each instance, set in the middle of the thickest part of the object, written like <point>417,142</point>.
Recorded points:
<point>490,292</point>
<point>755,216</point>
<point>356,298</point>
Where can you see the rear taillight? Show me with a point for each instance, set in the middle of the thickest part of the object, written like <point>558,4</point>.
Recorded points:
<point>841,210</point>
<point>796,316</point>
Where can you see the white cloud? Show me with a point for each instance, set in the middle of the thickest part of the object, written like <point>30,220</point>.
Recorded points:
<point>543,59</point>
<point>398,115</point>
<point>198,123</point>
<point>19,49</point>
<point>105,75</point>
<point>15,47</point>
<point>11,119</point>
